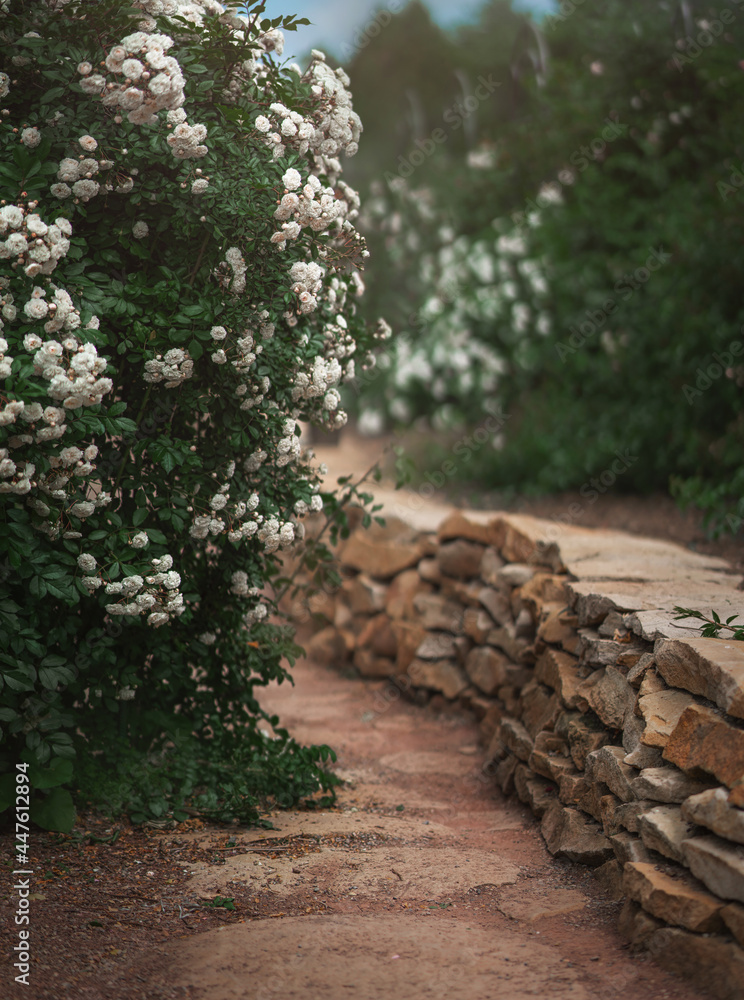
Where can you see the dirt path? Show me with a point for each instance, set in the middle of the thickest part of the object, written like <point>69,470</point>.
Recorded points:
<point>423,883</point>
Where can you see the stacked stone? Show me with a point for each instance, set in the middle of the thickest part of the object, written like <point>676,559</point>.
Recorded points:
<point>624,735</point>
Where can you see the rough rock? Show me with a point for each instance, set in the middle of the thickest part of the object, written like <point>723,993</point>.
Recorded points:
<point>408,638</point>
<point>365,595</point>
<point>490,723</point>
<point>458,525</point>
<point>665,784</point>
<point>628,847</point>
<point>661,712</point>
<point>637,754</point>
<point>733,917</point>
<point>496,604</point>
<point>550,757</point>
<point>540,707</point>
<point>383,552</point>
<point>610,877</point>
<point>369,664</point>
<point>401,592</point>
<point>428,570</point>
<point>638,672</point>
<point>663,829</point>
<point>637,926</point>
<point>559,671</point>
<point>436,612</point>
<point>544,590</point>
<point>628,814</point>
<point>712,810</point>
<point>597,652</point>
<point>609,695</point>
<point>702,742</point>
<point>652,683</point>
<point>718,864</point>
<point>505,774</point>
<point>439,675</point>
<point>711,963</point>
<point>477,624</point>
<point>460,558</point>
<point>328,647</point>
<point>568,834</point>
<point>437,646</point>
<point>487,668</point>
<point>553,629</point>
<point>515,574</point>
<point>533,790</point>
<point>514,736</point>
<point>577,790</point>
<point>713,668</point>
<point>681,901</point>
<point>584,735</point>
<point>491,563</point>
<point>606,764</point>
<point>379,636</point>
<point>464,591</point>
<point>506,639</point>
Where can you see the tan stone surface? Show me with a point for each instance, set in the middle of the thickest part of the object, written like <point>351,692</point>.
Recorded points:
<point>401,592</point>
<point>733,917</point>
<point>486,668</point>
<point>378,635</point>
<point>365,595</point>
<point>609,695</point>
<point>717,863</point>
<point>607,765</point>
<point>370,664</point>
<point>514,736</point>
<point>540,707</point>
<point>711,963</point>
<point>383,552</point>
<point>559,670</point>
<point>703,742</point>
<point>497,604</point>
<point>436,612</point>
<point>408,637</point>
<point>713,668</point>
<point>439,675</point>
<point>713,810</point>
<point>328,647</point>
<point>681,900</point>
<point>460,558</point>
<point>661,712</point>
<point>663,829</point>
<point>568,834</point>
<point>460,525</point>
<point>665,784</point>
<point>437,646</point>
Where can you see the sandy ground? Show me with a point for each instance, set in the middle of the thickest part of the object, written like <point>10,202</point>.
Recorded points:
<point>423,883</point>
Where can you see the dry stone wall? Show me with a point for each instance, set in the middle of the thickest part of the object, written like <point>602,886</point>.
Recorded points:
<point>622,731</point>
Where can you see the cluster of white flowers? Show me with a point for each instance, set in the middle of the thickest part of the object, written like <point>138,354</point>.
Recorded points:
<point>186,141</point>
<point>314,206</point>
<point>30,243</point>
<point>173,368</point>
<point>284,128</point>
<point>235,260</point>
<point>146,79</point>
<point>158,595</point>
<point>73,369</point>
<point>325,374</point>
<point>80,173</point>
<point>307,283</point>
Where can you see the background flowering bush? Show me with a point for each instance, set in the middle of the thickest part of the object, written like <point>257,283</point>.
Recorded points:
<point>519,233</point>
<point>179,284</point>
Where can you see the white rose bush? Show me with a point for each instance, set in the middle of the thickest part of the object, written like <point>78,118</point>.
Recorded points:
<point>179,276</point>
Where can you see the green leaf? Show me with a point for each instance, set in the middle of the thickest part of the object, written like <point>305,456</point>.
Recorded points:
<point>59,772</point>
<point>55,811</point>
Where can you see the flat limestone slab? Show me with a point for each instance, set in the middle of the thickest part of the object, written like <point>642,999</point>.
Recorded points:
<point>335,957</point>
